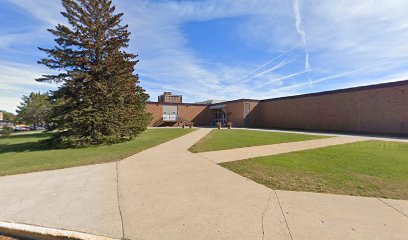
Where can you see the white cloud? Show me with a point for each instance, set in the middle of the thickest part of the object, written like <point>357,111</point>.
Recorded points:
<point>46,10</point>
<point>17,80</point>
<point>373,34</point>
<point>342,37</point>
<point>345,36</point>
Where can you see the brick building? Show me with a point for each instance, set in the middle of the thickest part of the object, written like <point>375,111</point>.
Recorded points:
<point>3,122</point>
<point>381,108</point>
<point>168,97</point>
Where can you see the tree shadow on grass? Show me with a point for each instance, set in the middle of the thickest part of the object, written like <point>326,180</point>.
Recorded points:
<point>31,145</point>
<point>39,141</point>
<point>24,147</point>
<point>31,135</point>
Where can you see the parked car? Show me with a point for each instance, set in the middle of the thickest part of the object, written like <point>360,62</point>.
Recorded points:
<point>21,128</point>
<point>37,128</point>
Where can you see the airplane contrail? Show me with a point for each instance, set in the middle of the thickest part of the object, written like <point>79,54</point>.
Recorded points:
<point>283,78</point>
<point>279,65</point>
<point>354,10</point>
<point>334,76</point>
<point>300,30</point>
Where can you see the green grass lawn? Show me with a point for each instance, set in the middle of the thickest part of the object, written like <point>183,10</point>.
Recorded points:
<point>220,139</point>
<point>22,153</point>
<point>371,168</point>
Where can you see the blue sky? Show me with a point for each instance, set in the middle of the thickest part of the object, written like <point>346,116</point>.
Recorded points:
<point>226,49</point>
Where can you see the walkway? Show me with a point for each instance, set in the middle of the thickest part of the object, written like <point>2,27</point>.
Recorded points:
<point>274,149</point>
<point>334,134</point>
<point>82,199</point>
<point>167,192</point>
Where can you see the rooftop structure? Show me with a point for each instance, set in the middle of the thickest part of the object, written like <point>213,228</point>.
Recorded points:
<point>212,101</point>
<point>168,97</point>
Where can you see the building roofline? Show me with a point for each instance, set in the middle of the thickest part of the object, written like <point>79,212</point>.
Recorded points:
<point>330,92</point>
<point>344,90</point>
<point>170,103</point>
<point>237,100</point>
<point>171,95</point>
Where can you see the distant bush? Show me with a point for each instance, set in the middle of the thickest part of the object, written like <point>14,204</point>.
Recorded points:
<point>6,131</point>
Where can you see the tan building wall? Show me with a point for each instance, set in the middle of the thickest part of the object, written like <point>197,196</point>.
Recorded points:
<point>377,108</point>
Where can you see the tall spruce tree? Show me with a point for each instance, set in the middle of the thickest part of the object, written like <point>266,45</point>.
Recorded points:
<point>99,99</point>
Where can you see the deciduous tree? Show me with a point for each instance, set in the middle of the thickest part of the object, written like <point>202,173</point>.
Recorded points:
<point>8,116</point>
<point>34,109</point>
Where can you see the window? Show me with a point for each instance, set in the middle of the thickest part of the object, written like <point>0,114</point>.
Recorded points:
<point>247,108</point>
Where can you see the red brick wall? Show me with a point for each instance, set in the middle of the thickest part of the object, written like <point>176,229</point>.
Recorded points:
<point>156,110</point>
<point>201,115</point>
<point>198,114</point>
<point>381,110</point>
<point>236,111</point>
<point>254,114</point>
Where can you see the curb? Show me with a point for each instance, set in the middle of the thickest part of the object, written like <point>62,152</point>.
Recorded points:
<point>36,232</point>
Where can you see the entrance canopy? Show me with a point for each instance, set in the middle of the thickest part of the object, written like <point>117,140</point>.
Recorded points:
<point>218,106</point>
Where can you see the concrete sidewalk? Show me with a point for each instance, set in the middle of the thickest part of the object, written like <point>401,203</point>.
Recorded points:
<point>235,154</point>
<point>167,192</point>
<point>82,199</point>
<point>333,134</point>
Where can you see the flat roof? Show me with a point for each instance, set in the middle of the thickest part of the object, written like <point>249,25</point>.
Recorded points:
<point>237,100</point>
<point>344,90</point>
<point>170,94</point>
<point>170,103</point>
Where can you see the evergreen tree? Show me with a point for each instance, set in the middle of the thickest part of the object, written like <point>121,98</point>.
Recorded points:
<point>34,109</point>
<point>99,100</point>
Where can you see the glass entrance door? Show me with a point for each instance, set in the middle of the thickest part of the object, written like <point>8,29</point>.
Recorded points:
<point>220,116</point>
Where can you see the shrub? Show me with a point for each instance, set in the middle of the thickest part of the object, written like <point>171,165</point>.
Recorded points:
<point>229,125</point>
<point>219,125</point>
<point>6,131</point>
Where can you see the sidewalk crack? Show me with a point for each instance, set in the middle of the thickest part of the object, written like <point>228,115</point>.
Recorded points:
<point>198,154</point>
<point>389,205</point>
<point>118,197</point>
<point>263,214</point>
<point>283,214</point>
